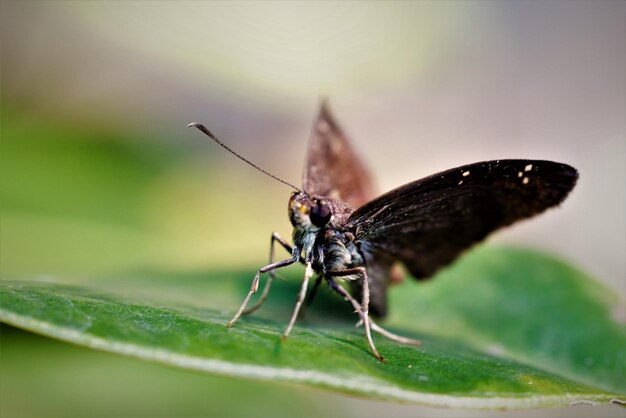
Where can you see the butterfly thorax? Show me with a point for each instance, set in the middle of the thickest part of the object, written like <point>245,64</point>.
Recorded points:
<point>320,231</point>
<point>335,250</point>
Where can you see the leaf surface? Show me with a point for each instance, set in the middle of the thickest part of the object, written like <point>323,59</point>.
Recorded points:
<point>500,329</point>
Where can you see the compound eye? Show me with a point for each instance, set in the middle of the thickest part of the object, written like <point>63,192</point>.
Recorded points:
<point>320,214</point>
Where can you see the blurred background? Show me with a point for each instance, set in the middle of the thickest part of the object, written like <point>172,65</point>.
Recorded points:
<point>99,175</point>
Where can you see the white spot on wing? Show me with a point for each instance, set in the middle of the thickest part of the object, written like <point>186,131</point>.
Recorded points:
<point>520,174</point>
<point>528,167</point>
<point>460,182</point>
<point>466,173</point>
<point>525,180</point>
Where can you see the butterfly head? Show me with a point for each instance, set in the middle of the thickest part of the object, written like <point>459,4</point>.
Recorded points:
<point>309,212</point>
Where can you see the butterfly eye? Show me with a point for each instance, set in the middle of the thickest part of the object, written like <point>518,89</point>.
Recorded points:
<point>320,214</point>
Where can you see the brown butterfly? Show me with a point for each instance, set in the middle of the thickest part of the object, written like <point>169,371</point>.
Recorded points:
<point>341,234</point>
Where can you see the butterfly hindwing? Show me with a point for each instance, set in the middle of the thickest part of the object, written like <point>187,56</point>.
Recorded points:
<point>332,169</point>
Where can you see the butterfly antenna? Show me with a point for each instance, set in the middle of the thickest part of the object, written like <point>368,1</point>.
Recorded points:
<point>208,133</point>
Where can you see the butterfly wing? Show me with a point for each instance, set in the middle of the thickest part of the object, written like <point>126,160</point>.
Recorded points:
<point>332,168</point>
<point>427,223</point>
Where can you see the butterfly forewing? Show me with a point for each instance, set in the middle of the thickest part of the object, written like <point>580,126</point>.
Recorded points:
<point>332,168</point>
<point>427,223</point>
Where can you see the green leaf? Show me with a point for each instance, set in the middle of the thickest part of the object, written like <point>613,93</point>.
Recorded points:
<point>530,307</point>
<point>500,329</point>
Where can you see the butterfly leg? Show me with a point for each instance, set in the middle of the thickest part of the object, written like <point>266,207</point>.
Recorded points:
<point>255,283</point>
<point>375,327</point>
<point>272,274</point>
<point>394,337</point>
<point>313,291</point>
<point>308,273</point>
<point>363,309</point>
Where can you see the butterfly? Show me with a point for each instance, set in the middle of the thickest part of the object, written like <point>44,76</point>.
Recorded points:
<point>344,234</point>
